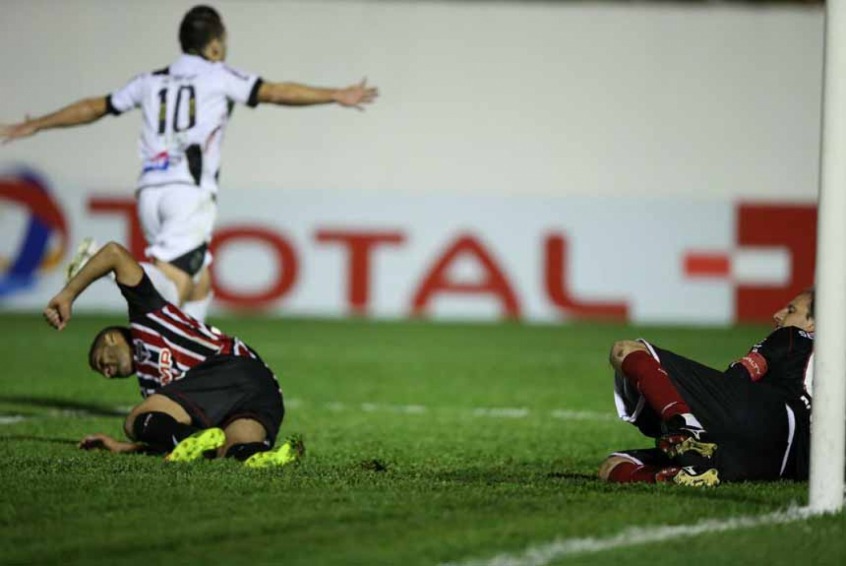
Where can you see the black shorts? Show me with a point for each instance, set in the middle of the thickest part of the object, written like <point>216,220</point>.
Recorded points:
<point>226,388</point>
<point>751,423</point>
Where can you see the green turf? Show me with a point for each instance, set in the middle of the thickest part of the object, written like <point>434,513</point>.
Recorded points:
<point>408,461</point>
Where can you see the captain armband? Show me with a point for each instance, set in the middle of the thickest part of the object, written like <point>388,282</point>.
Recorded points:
<point>755,364</point>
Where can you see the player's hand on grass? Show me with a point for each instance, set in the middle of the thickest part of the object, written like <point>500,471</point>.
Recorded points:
<point>10,132</point>
<point>357,95</point>
<point>58,311</point>
<point>105,442</point>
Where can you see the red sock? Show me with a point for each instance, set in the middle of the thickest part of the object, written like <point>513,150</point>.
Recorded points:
<point>629,472</point>
<point>654,384</point>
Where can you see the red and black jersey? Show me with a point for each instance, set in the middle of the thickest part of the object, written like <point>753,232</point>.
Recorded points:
<point>782,360</point>
<point>166,342</point>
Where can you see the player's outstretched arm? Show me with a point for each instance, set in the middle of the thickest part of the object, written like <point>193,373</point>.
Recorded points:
<point>111,258</point>
<point>81,112</point>
<point>106,442</point>
<point>295,94</point>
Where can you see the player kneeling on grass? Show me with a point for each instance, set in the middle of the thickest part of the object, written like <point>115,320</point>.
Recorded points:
<point>750,422</point>
<point>205,393</point>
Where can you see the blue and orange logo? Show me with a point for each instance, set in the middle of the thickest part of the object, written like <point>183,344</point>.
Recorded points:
<point>45,237</point>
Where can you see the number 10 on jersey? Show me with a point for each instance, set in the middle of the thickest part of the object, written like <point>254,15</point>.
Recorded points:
<point>185,94</point>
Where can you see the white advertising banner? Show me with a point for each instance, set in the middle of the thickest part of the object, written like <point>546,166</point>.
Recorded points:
<point>339,253</point>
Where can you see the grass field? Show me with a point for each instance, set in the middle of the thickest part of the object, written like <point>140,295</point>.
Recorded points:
<point>427,443</point>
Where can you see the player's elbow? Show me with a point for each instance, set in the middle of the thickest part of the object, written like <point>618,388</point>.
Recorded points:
<point>115,249</point>
<point>117,254</point>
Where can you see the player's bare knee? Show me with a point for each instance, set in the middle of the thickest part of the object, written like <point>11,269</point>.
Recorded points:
<point>608,465</point>
<point>155,404</point>
<point>621,349</point>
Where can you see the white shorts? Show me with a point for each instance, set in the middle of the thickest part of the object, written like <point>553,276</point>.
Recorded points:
<point>176,219</point>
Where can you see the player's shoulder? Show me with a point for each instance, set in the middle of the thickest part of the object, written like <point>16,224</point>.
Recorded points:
<point>147,76</point>
<point>232,72</point>
<point>791,339</point>
<point>793,332</point>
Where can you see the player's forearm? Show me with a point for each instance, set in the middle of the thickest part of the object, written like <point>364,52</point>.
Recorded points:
<point>106,442</point>
<point>76,114</point>
<point>103,262</point>
<point>111,258</point>
<point>127,447</point>
<point>294,94</point>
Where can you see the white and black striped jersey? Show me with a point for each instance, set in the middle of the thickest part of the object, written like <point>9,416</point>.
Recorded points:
<point>185,107</point>
<point>166,342</point>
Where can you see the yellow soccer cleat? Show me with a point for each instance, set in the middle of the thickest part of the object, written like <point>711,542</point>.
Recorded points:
<point>195,446</point>
<point>689,477</point>
<point>676,445</point>
<point>292,450</point>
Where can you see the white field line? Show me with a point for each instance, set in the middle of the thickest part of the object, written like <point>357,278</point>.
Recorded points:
<point>492,412</point>
<point>541,554</point>
<point>11,419</point>
<point>482,412</point>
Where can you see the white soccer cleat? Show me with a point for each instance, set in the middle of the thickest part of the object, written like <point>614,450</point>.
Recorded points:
<point>84,252</point>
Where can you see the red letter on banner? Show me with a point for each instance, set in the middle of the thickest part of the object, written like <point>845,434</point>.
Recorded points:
<point>559,293</point>
<point>286,260</point>
<point>127,208</point>
<point>494,282</point>
<point>360,245</point>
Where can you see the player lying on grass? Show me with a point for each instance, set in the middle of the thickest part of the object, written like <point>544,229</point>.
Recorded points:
<point>750,422</point>
<point>205,393</point>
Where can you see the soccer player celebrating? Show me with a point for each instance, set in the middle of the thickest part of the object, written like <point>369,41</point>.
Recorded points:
<point>205,393</point>
<point>185,109</point>
<point>750,422</point>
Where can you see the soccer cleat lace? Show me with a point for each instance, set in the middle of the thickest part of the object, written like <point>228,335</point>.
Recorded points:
<point>689,477</point>
<point>195,446</point>
<point>292,450</point>
<point>85,251</point>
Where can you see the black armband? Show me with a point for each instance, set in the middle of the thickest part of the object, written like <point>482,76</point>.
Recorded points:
<point>110,107</point>
<point>252,100</point>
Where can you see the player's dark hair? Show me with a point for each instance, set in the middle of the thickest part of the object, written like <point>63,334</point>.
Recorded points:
<point>127,335</point>
<point>199,27</point>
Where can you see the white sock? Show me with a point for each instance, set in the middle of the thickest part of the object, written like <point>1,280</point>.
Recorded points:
<point>199,309</point>
<point>166,288</point>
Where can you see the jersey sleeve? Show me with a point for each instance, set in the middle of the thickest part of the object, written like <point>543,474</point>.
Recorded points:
<point>127,97</point>
<point>142,298</point>
<point>239,86</point>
